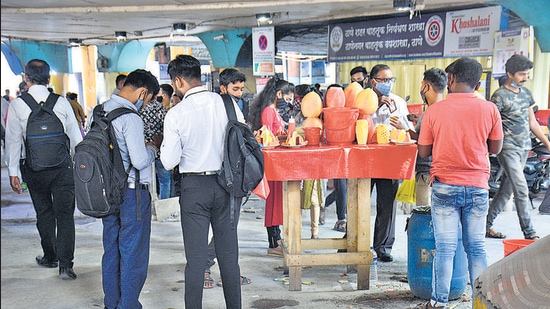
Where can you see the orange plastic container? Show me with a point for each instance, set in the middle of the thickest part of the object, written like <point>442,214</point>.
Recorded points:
<point>513,245</point>
<point>340,125</point>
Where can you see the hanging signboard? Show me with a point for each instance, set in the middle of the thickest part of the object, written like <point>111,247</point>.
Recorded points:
<point>263,51</point>
<point>508,43</point>
<point>395,38</point>
<point>470,32</point>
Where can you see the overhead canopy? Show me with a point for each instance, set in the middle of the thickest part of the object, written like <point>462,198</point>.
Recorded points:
<point>534,13</point>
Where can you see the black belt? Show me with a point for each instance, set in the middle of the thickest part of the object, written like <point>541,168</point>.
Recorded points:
<point>142,186</point>
<point>200,173</point>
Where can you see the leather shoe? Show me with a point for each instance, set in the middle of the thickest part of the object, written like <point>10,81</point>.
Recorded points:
<point>42,261</point>
<point>66,273</point>
<point>385,257</point>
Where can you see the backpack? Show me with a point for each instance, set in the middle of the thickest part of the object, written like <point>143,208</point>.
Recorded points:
<point>243,161</point>
<point>99,174</point>
<point>46,144</point>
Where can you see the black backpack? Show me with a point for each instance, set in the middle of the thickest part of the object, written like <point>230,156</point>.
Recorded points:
<point>46,144</point>
<point>243,161</point>
<point>99,174</point>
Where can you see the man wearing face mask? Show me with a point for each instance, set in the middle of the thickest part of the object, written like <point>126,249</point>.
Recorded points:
<point>232,83</point>
<point>431,90</point>
<point>153,114</point>
<point>382,80</point>
<point>360,75</point>
<point>127,235</point>
<point>515,104</point>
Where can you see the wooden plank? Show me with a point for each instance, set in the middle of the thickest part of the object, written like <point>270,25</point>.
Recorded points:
<point>324,243</point>
<point>326,259</point>
<point>295,278</point>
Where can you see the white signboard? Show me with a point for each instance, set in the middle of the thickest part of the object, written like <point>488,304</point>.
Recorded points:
<point>508,43</point>
<point>263,51</point>
<point>471,32</point>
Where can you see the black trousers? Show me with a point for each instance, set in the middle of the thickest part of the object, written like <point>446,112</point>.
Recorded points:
<point>53,198</point>
<point>340,195</point>
<point>384,225</point>
<point>204,202</point>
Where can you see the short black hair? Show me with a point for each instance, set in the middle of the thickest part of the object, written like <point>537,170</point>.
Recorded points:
<point>120,78</point>
<point>186,67</point>
<point>377,68</point>
<point>467,71</point>
<point>142,78</point>
<point>437,78</point>
<point>38,72</point>
<point>72,96</point>
<point>518,63</point>
<point>231,75</point>
<point>22,86</point>
<point>359,69</point>
<point>168,89</point>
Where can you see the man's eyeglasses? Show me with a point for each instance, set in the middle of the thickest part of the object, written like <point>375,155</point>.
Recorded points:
<point>384,80</point>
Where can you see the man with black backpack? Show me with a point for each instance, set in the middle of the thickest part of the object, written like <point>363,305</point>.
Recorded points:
<point>127,233</point>
<point>44,162</point>
<point>194,132</point>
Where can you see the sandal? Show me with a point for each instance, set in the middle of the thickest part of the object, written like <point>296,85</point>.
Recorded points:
<point>532,237</point>
<point>208,281</point>
<point>244,281</point>
<point>490,233</point>
<point>340,226</point>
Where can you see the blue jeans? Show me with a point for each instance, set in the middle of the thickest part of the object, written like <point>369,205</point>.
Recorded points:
<point>453,206</point>
<point>513,181</point>
<point>126,252</point>
<point>163,177</point>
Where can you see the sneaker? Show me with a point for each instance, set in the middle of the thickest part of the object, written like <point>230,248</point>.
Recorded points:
<point>340,226</point>
<point>66,273</point>
<point>385,257</point>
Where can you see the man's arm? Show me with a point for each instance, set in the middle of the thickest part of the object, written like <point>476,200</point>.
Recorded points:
<point>495,146</point>
<point>425,151</point>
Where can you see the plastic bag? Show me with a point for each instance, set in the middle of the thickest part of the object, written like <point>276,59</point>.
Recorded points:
<point>407,192</point>
<point>262,189</point>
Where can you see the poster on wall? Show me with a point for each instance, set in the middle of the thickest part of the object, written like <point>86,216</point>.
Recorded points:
<point>263,51</point>
<point>395,38</point>
<point>318,72</point>
<point>510,42</point>
<point>470,32</point>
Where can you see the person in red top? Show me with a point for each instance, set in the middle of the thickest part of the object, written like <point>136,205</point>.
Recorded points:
<point>459,132</point>
<point>263,112</point>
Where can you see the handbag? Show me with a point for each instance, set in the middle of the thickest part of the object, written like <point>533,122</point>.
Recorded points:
<point>407,192</point>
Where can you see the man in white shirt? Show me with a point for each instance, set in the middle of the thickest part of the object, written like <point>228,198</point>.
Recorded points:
<point>194,133</point>
<point>52,189</point>
<point>390,104</point>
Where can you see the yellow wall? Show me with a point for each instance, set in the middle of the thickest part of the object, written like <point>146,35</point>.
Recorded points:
<point>409,75</point>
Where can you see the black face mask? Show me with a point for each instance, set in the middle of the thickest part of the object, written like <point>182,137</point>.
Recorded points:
<point>159,99</point>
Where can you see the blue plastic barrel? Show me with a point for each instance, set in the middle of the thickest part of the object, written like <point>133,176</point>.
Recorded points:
<point>421,249</point>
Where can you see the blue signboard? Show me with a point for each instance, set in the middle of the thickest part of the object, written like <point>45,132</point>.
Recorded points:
<point>395,38</point>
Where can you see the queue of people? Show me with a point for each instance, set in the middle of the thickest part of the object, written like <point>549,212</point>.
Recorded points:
<point>187,139</point>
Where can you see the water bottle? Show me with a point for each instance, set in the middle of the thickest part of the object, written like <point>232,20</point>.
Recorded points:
<point>374,267</point>
<point>24,187</point>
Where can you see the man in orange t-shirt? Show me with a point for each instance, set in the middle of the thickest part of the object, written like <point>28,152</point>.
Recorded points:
<point>459,132</point>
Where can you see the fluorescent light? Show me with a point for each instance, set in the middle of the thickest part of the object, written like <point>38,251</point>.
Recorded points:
<point>180,27</point>
<point>403,5</point>
<point>263,18</point>
<point>120,35</point>
<point>75,42</point>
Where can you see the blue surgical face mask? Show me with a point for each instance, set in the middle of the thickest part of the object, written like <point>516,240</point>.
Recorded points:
<point>139,104</point>
<point>384,88</point>
<point>513,84</point>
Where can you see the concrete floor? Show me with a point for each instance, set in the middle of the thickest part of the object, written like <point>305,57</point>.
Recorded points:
<point>27,285</point>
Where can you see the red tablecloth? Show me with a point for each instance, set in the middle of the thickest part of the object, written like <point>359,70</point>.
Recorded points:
<point>329,162</point>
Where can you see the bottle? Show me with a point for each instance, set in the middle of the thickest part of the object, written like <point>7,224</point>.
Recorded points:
<point>374,266</point>
<point>24,187</point>
<point>291,126</point>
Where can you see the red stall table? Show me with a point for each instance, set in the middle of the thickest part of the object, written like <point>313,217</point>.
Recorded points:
<point>356,163</point>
